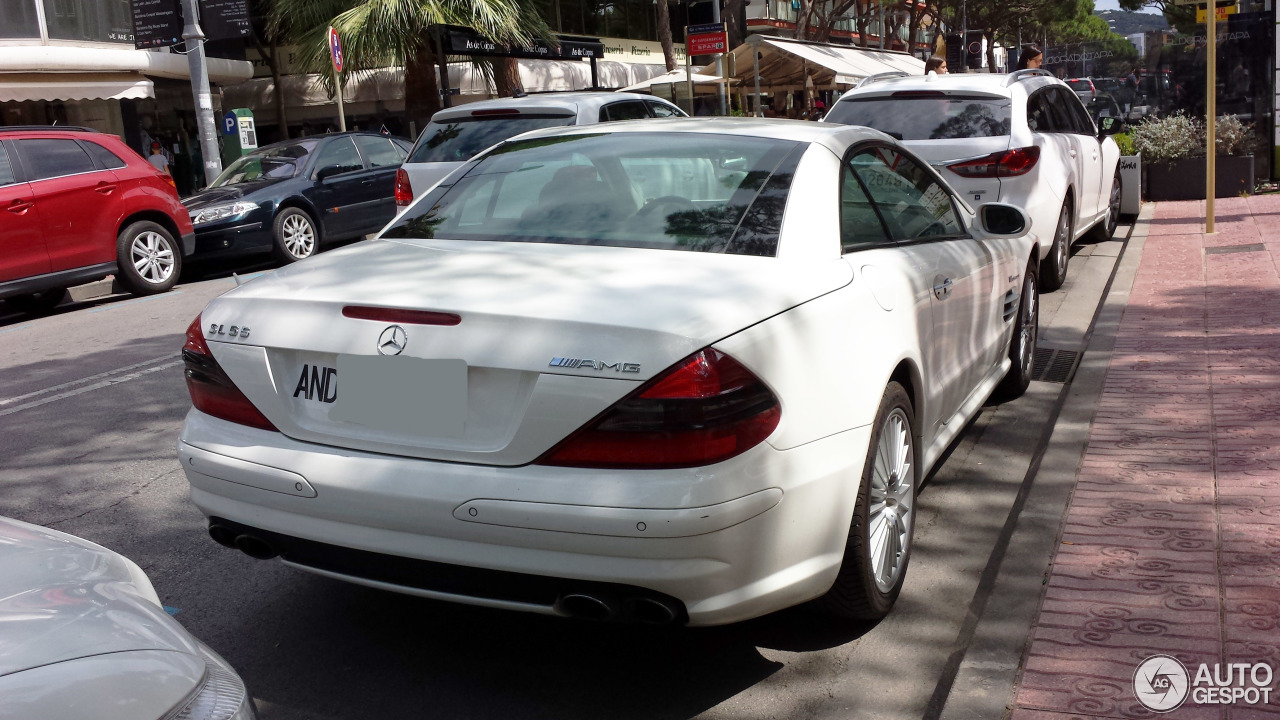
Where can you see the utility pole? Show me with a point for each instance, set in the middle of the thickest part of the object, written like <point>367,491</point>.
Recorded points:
<point>720,91</point>
<point>1211,110</point>
<point>200,90</point>
<point>880,5</point>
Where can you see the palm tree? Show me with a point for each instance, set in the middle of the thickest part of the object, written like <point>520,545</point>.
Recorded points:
<point>383,33</point>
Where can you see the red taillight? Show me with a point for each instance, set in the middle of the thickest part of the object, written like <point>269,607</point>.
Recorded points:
<point>169,179</point>
<point>705,409</point>
<point>404,190</point>
<point>212,392</point>
<point>496,111</point>
<point>1006,163</point>
<point>397,315</point>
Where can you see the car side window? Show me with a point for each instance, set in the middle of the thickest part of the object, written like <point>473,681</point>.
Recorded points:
<point>6,169</point>
<point>1081,121</point>
<point>50,158</point>
<point>104,157</point>
<point>661,110</point>
<point>911,201</point>
<point>1038,117</point>
<point>625,110</point>
<point>1062,120</point>
<point>860,226</point>
<point>380,152</point>
<point>340,154</point>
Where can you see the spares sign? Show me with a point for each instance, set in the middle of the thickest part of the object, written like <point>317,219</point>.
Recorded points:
<point>707,39</point>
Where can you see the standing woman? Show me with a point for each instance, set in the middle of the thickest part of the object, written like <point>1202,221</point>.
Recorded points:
<point>1032,57</point>
<point>936,64</point>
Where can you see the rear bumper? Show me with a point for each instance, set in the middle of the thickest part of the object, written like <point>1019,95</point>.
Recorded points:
<point>757,533</point>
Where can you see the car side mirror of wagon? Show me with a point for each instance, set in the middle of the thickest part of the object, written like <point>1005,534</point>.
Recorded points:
<point>1001,220</point>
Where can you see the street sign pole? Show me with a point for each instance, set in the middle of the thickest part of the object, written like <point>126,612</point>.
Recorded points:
<point>205,124</point>
<point>1211,109</point>
<point>688,69</point>
<point>720,91</point>
<point>335,54</point>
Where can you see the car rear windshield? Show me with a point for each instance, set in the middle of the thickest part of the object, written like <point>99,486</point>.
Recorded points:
<point>281,162</point>
<point>458,140</point>
<point>928,117</point>
<point>697,192</point>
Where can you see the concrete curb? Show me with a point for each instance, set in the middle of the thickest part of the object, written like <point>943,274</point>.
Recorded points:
<point>985,684</point>
<point>94,290</point>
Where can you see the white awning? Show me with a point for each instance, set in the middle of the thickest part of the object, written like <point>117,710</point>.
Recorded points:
<point>17,87</point>
<point>675,76</point>
<point>59,58</point>
<point>785,64</point>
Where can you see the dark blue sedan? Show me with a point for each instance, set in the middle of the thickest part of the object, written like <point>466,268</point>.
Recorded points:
<point>290,197</point>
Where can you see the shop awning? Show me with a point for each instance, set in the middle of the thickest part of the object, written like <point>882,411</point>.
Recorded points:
<point>784,64</point>
<point>675,76</point>
<point>17,87</point>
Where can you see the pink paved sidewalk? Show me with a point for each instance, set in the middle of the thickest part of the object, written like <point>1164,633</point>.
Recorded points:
<point>1171,543</point>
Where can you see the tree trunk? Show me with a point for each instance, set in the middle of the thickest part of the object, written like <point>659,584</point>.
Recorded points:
<point>421,91</point>
<point>990,35</point>
<point>733,22</point>
<point>664,35</point>
<point>277,91</point>
<point>506,76</point>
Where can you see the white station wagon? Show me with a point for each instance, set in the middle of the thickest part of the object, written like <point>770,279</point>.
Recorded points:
<point>688,374</point>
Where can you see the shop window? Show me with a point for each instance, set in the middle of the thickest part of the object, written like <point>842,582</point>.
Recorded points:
<point>18,19</point>
<point>90,20</point>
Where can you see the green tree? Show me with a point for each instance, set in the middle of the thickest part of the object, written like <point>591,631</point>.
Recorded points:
<point>383,33</point>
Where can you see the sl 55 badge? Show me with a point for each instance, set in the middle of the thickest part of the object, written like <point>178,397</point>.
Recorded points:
<point>235,331</point>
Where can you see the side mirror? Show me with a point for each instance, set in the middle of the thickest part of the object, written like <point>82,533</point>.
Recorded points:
<point>1108,126</point>
<point>1000,220</point>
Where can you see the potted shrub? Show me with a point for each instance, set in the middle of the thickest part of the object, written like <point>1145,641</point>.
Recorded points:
<point>1130,175</point>
<point>1172,148</point>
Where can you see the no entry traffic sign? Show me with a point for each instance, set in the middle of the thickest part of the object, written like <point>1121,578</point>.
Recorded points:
<point>335,50</point>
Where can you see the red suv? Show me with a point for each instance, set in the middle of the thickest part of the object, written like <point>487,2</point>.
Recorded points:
<point>76,206</point>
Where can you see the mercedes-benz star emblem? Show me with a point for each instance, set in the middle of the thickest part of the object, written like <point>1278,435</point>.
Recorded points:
<point>392,340</point>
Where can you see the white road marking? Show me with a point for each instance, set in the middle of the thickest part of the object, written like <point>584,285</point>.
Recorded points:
<point>113,377</point>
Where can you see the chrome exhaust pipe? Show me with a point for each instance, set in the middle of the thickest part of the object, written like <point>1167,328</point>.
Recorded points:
<point>586,607</point>
<point>255,547</point>
<point>651,611</point>
<point>223,535</point>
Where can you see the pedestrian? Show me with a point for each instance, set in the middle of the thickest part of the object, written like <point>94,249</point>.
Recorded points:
<point>158,158</point>
<point>935,65</point>
<point>1130,90</point>
<point>1032,57</point>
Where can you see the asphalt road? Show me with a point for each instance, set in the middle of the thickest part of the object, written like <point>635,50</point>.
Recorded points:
<point>91,402</point>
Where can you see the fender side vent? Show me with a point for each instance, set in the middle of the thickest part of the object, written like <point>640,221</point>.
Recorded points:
<point>1054,365</point>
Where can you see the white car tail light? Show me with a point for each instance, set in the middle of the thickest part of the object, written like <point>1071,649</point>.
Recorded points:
<point>212,391</point>
<point>704,409</point>
<point>1006,163</point>
<point>404,189</point>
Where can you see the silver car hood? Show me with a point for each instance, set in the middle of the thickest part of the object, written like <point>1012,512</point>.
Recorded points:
<point>63,598</point>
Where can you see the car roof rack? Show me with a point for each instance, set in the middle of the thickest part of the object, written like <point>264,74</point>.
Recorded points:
<point>37,128</point>
<point>880,76</point>
<point>1020,75</point>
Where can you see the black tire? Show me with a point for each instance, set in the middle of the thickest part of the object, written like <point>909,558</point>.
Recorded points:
<point>1106,229</point>
<point>1053,269</point>
<point>856,593</point>
<point>1022,344</point>
<point>148,259</point>
<point>296,236</point>
<point>37,303</point>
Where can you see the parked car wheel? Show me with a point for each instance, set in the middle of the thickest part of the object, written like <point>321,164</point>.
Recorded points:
<point>1022,346</point>
<point>1107,228</point>
<point>295,235</point>
<point>37,303</point>
<point>1053,271</point>
<point>148,258</point>
<point>879,543</point>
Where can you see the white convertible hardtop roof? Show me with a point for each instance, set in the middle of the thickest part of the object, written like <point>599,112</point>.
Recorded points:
<point>832,136</point>
<point>569,103</point>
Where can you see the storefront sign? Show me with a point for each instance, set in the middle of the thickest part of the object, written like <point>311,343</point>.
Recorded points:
<point>464,41</point>
<point>1202,15</point>
<point>224,19</point>
<point>156,23</point>
<point>707,43</point>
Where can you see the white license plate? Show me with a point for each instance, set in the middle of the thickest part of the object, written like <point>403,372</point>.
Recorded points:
<point>403,395</point>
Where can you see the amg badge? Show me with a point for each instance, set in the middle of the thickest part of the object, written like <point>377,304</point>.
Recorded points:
<point>580,364</point>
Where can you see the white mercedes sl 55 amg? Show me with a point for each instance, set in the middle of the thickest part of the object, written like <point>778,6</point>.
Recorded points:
<point>666,371</point>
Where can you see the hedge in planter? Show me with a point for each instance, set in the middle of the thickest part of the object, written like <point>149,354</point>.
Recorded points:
<point>1172,150</point>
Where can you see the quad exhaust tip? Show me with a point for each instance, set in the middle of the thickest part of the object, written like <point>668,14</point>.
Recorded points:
<point>602,608</point>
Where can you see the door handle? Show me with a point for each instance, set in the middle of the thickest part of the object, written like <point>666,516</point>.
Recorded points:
<point>20,207</point>
<point>1072,152</point>
<point>942,287</point>
<point>370,181</point>
<point>105,189</point>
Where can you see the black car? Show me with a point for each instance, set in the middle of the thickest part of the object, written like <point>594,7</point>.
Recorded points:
<point>289,197</point>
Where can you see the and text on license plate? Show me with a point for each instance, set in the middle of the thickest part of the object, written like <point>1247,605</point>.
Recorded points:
<point>391,393</point>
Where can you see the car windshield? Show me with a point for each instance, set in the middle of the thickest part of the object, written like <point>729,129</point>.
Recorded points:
<point>698,192</point>
<point>271,163</point>
<point>459,139</point>
<point>928,116</point>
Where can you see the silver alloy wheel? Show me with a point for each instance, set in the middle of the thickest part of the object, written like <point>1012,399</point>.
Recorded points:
<point>1027,338</point>
<point>1062,242</point>
<point>892,498</point>
<point>299,236</point>
<point>152,257</point>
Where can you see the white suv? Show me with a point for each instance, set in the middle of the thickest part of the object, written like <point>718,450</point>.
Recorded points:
<point>457,134</point>
<point>1023,139</point>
